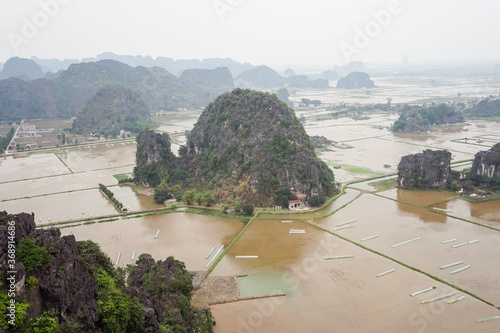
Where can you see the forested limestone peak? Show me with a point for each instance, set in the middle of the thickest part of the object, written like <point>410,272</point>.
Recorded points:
<point>244,147</point>
<point>113,108</point>
<point>253,141</point>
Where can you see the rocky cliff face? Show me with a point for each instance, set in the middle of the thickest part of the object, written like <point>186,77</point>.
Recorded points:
<point>487,163</point>
<point>429,169</point>
<point>245,145</point>
<point>153,157</point>
<point>356,80</point>
<point>112,109</point>
<point>64,286</point>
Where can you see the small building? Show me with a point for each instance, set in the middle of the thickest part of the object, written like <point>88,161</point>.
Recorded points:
<point>125,133</point>
<point>91,138</point>
<point>13,145</point>
<point>28,130</point>
<point>295,204</point>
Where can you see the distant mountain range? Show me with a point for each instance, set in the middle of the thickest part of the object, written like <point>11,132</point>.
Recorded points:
<point>25,69</point>
<point>263,77</point>
<point>173,66</point>
<point>67,94</point>
<point>217,81</point>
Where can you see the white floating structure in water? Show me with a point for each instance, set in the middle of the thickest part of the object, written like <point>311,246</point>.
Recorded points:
<point>442,210</point>
<point>422,291</point>
<point>487,319</point>
<point>133,255</point>
<point>344,223</point>
<point>458,245</point>
<point>90,214</point>
<point>212,250</point>
<point>386,272</point>
<point>215,256</point>
<point>473,241</point>
<point>344,227</point>
<point>297,231</point>
<point>456,299</point>
<point>368,238</point>
<point>157,233</point>
<point>448,241</point>
<point>460,269</point>
<point>286,221</point>
<point>406,242</point>
<point>438,298</point>
<point>339,257</point>
<point>118,259</point>
<point>452,264</point>
<point>246,257</point>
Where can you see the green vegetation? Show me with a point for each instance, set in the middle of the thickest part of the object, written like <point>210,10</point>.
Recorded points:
<point>4,141</point>
<point>43,324</point>
<point>284,195</point>
<point>307,101</point>
<point>247,209</point>
<point>123,178</point>
<point>118,311</point>
<point>205,198</point>
<point>163,192</point>
<point>419,119</point>
<point>110,196</point>
<point>485,109</point>
<point>189,197</point>
<point>316,200</point>
<point>31,255</point>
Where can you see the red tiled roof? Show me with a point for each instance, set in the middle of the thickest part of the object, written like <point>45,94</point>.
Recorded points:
<point>294,201</point>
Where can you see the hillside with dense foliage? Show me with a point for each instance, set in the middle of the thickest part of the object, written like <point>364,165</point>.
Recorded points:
<point>487,108</point>
<point>67,95</point>
<point>69,286</point>
<point>422,119</point>
<point>112,109</point>
<point>245,146</point>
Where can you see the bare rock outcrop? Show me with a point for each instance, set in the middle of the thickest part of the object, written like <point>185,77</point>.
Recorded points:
<point>429,169</point>
<point>487,163</point>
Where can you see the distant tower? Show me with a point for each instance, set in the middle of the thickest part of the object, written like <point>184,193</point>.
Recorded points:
<point>405,60</point>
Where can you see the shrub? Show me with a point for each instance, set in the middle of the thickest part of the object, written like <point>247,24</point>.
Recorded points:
<point>317,200</point>
<point>31,282</point>
<point>43,324</point>
<point>32,255</point>
<point>247,209</point>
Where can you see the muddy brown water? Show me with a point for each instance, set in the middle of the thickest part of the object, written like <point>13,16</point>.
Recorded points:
<point>343,295</point>
<point>132,200</point>
<point>187,237</point>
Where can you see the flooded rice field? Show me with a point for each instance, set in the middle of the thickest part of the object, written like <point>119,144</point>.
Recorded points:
<point>382,245</point>
<point>407,90</point>
<point>61,207</point>
<point>187,237</point>
<point>133,201</point>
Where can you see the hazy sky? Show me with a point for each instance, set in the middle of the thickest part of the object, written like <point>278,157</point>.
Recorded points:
<point>312,32</point>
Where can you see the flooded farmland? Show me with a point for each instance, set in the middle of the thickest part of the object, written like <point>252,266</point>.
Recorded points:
<point>382,245</point>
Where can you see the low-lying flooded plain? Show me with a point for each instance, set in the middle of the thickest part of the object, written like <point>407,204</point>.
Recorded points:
<point>350,267</point>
